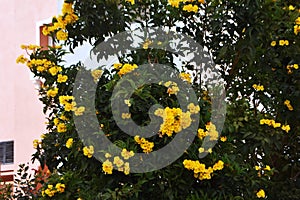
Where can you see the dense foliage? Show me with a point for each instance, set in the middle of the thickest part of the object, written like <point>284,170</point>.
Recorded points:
<point>255,46</point>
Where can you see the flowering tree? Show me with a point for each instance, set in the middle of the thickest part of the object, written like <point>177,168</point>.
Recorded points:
<point>254,45</point>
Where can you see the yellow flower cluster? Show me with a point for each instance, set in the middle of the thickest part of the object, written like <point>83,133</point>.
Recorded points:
<point>122,166</point>
<point>194,109</point>
<point>271,122</point>
<point>288,105</point>
<point>172,87</point>
<point>88,151</point>
<point>258,87</point>
<point>125,69</point>
<point>127,154</point>
<point>211,131</point>
<point>96,74</point>
<point>50,191</point>
<point>70,105</point>
<point>144,144</point>
<point>174,120</point>
<point>259,169</point>
<point>147,43</point>
<point>69,143</point>
<point>42,65</point>
<point>79,111</point>
<point>67,17</point>
<point>126,116</point>
<point>190,8</point>
<point>67,102</point>
<point>201,150</point>
<point>199,169</point>
<point>186,77</point>
<point>201,133</point>
<point>174,3</point>
<point>290,67</point>
<point>31,47</point>
<point>62,78</point>
<point>281,43</point>
<point>21,59</point>
<point>61,126</point>
<point>127,102</point>
<point>261,194</point>
<point>52,92</point>
<point>297,26</point>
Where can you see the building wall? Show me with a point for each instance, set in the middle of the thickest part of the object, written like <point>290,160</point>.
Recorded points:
<point>21,116</point>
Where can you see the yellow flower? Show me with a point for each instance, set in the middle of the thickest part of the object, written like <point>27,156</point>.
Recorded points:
<point>61,35</point>
<point>186,77</point>
<point>291,7</point>
<point>190,8</point>
<point>296,29</point>
<point>267,168</point>
<point>209,150</point>
<point>107,167</point>
<point>117,66</point>
<point>144,144</point>
<point>261,194</point>
<point>258,87</point>
<point>61,128</point>
<point>54,70</point>
<point>257,168</point>
<point>69,143</point>
<point>118,161</point>
<point>88,151</point>
<point>127,154</point>
<point>127,102</point>
<point>96,74</point>
<point>21,59</point>
<point>67,8</point>
<point>126,115</point>
<point>79,111</point>
<point>65,99</point>
<point>52,92</point>
<point>283,42</point>
<point>297,21</point>
<point>147,43</point>
<point>107,155</point>
<point>273,43</point>
<point>130,1</point>
<point>174,3</point>
<point>126,168</point>
<point>60,187</point>
<point>50,191</point>
<point>296,66</point>
<point>223,138</point>
<point>201,150</point>
<point>219,165</point>
<point>201,133</point>
<point>126,68</point>
<point>36,143</point>
<point>288,105</point>
<point>56,121</point>
<point>62,78</point>
<point>194,109</point>
<point>286,128</point>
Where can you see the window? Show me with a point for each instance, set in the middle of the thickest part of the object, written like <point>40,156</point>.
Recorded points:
<point>7,152</point>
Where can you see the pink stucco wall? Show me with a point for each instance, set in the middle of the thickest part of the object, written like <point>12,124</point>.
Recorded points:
<point>21,117</point>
